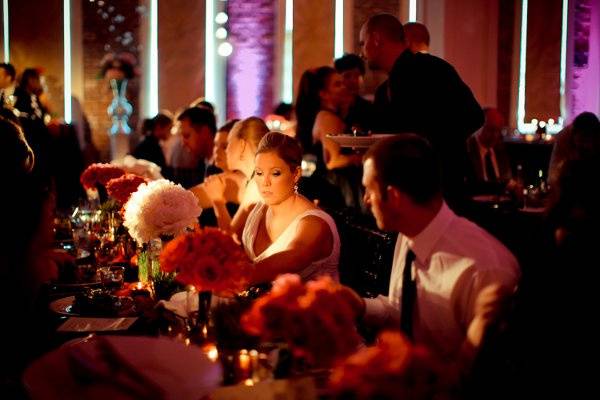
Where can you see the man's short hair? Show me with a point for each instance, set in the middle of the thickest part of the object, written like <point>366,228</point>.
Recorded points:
<point>10,70</point>
<point>198,117</point>
<point>349,62</point>
<point>416,32</point>
<point>407,162</point>
<point>387,25</point>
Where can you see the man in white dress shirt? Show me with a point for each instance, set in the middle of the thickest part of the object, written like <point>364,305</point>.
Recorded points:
<point>452,259</point>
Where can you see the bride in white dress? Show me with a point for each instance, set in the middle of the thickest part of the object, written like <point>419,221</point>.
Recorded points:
<point>287,233</point>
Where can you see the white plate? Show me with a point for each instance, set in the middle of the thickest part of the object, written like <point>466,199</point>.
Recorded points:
<point>64,306</point>
<point>358,141</point>
<point>490,198</point>
<point>181,372</point>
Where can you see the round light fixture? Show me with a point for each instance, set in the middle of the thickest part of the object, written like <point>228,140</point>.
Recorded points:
<point>221,18</point>
<point>225,49</point>
<point>221,33</point>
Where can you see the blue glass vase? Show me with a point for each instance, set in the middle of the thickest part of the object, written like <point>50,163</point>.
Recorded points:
<point>119,111</point>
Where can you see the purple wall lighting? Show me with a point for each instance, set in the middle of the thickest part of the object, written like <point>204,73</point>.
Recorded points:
<point>251,65</point>
<point>584,85</point>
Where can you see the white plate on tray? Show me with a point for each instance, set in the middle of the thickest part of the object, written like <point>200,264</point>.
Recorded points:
<point>358,141</point>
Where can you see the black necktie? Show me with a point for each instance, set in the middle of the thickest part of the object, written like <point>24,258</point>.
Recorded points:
<point>409,295</point>
<point>489,167</point>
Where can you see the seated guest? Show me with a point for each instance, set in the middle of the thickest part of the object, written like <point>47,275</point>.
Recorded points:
<point>357,111</point>
<point>218,162</point>
<point>235,185</point>
<point>489,164</point>
<point>441,261</point>
<point>26,259</point>
<point>417,37</point>
<point>196,127</point>
<point>577,141</point>
<point>155,130</point>
<point>286,233</point>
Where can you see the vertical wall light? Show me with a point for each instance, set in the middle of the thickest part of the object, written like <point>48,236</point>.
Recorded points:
<point>67,58</point>
<point>6,31</point>
<point>530,127</point>
<point>521,125</point>
<point>215,65</point>
<point>563,58</point>
<point>412,10</point>
<point>339,29</point>
<point>152,102</point>
<point>287,89</point>
<point>209,38</point>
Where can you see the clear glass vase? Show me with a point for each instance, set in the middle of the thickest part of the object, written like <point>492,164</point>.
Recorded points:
<point>148,260</point>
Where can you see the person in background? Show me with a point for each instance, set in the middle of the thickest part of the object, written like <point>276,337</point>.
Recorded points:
<point>579,140</point>
<point>218,162</point>
<point>7,85</point>
<point>357,112</point>
<point>28,96</point>
<point>236,185</point>
<point>196,126</point>
<point>490,170</point>
<point>417,37</point>
<point>425,95</point>
<point>155,131</point>
<point>32,118</point>
<point>318,113</point>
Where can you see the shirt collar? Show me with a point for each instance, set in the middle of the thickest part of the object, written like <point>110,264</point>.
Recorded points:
<point>422,244</point>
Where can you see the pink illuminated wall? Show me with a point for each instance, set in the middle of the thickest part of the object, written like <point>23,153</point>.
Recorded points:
<point>583,58</point>
<point>250,66</point>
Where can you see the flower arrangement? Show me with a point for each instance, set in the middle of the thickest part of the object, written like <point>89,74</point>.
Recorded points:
<point>316,319</point>
<point>122,187</point>
<point>144,168</point>
<point>160,208</point>
<point>118,66</point>
<point>392,369</point>
<point>99,174</point>
<point>208,259</point>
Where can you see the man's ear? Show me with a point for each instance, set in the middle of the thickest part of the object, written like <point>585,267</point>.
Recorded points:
<point>393,194</point>
<point>376,37</point>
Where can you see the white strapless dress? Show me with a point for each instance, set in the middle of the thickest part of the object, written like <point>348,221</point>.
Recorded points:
<point>325,266</point>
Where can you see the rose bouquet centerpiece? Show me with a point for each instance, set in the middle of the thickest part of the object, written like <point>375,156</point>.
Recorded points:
<point>124,186</point>
<point>392,369</point>
<point>316,319</point>
<point>210,261</point>
<point>95,177</point>
<point>158,210</point>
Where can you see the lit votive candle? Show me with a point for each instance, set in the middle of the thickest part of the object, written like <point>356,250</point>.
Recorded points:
<point>211,352</point>
<point>244,360</point>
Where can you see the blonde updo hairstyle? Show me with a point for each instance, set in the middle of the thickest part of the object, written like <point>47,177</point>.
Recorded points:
<point>286,148</point>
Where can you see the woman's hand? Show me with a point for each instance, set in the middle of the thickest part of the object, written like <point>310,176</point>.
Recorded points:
<point>214,187</point>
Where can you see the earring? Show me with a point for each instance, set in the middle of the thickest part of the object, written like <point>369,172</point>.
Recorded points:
<point>296,188</point>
